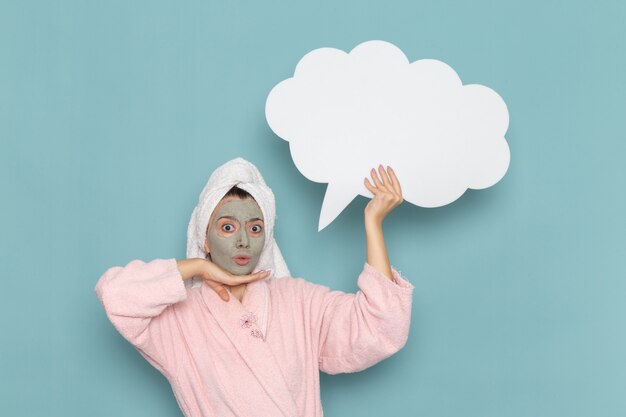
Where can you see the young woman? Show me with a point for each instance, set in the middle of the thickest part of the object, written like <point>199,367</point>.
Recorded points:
<point>232,332</point>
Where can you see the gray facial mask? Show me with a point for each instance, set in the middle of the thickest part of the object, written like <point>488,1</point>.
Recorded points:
<point>236,230</point>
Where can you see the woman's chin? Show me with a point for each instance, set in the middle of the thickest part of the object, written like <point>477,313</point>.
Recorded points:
<point>240,269</point>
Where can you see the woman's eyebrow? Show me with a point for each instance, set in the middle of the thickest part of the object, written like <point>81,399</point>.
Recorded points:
<point>228,217</point>
<point>233,218</point>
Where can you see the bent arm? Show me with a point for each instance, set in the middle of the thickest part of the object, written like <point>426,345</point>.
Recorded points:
<point>359,330</point>
<point>136,300</point>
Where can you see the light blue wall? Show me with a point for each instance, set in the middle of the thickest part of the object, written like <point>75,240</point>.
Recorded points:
<point>113,114</point>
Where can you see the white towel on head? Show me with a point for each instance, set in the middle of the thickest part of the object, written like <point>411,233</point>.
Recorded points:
<point>243,174</point>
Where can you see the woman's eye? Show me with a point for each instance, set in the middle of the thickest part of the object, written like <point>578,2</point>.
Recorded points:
<point>228,228</point>
<point>256,228</point>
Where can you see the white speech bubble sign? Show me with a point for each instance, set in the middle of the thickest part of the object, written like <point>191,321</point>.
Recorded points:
<point>345,113</point>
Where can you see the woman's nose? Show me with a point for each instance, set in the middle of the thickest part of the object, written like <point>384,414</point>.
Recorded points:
<point>242,239</point>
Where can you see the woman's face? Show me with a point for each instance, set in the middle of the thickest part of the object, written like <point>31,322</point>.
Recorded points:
<point>236,235</point>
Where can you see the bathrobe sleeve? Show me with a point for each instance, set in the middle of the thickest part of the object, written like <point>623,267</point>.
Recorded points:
<point>359,330</point>
<point>137,299</point>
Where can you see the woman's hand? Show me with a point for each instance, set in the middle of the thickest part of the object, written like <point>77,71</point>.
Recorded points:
<point>387,194</point>
<point>214,276</point>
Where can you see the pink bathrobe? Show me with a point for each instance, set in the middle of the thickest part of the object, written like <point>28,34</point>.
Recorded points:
<point>261,357</point>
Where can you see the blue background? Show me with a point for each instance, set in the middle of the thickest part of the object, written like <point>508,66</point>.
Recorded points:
<point>113,114</point>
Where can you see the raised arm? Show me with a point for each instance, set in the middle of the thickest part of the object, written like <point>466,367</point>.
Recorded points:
<point>387,195</point>
<point>359,330</point>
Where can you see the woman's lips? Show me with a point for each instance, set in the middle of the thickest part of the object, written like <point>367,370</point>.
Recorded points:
<point>241,260</point>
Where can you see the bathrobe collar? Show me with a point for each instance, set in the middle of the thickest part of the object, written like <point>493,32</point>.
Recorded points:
<point>245,324</point>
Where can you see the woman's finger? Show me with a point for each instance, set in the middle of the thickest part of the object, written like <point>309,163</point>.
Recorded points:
<point>219,275</point>
<point>243,279</point>
<point>394,180</point>
<point>261,275</point>
<point>377,181</point>
<point>370,187</point>
<point>384,177</point>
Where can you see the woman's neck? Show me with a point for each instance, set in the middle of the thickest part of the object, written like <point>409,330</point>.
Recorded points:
<point>238,291</point>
